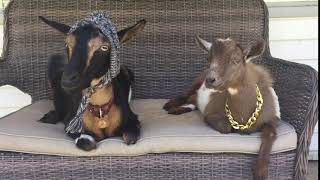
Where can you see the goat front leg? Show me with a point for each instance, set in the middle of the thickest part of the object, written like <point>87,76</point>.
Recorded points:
<point>86,142</point>
<point>181,100</point>
<point>268,136</point>
<point>92,133</point>
<point>130,126</point>
<point>131,129</point>
<point>176,102</point>
<point>60,98</point>
<point>189,106</point>
<point>218,122</point>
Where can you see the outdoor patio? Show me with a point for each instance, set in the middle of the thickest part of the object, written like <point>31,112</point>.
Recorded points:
<point>285,33</point>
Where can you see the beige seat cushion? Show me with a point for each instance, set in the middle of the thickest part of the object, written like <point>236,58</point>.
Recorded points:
<point>161,133</point>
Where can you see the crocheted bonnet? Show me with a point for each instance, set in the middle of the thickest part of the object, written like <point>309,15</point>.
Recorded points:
<point>103,22</point>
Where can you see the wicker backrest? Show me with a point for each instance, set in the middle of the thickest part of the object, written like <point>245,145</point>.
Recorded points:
<point>165,58</point>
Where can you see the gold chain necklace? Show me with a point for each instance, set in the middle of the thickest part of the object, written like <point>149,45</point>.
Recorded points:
<point>253,117</point>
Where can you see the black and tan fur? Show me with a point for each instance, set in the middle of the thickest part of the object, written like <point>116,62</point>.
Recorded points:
<point>232,76</point>
<point>88,60</point>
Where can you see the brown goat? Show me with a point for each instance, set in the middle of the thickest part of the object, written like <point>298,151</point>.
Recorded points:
<point>232,78</point>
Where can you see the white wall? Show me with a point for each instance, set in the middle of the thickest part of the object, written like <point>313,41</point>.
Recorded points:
<point>295,39</point>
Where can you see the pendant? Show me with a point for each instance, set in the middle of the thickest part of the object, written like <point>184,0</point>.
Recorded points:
<point>102,124</point>
<point>100,113</point>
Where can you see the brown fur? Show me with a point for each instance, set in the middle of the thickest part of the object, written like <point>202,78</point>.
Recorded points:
<point>70,43</point>
<point>215,110</point>
<point>234,78</point>
<point>243,104</point>
<point>131,32</point>
<point>95,44</point>
<point>268,136</point>
<point>179,110</point>
<point>113,118</point>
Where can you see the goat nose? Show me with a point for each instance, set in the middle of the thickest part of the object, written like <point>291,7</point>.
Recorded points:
<point>210,80</point>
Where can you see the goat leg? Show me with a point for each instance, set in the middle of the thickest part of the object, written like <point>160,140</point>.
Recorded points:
<point>181,100</point>
<point>55,70</point>
<point>189,106</point>
<point>176,102</point>
<point>130,128</point>
<point>268,136</point>
<point>218,122</point>
<point>88,141</point>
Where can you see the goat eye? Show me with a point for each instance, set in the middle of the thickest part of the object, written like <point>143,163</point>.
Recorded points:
<point>104,48</point>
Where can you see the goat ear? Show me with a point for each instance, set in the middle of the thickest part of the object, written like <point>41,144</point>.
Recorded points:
<point>125,35</point>
<point>58,26</point>
<point>203,44</point>
<point>254,50</point>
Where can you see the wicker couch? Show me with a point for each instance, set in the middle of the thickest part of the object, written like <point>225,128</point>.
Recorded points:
<point>164,60</point>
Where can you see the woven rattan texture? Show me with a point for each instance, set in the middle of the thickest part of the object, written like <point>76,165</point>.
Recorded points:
<point>297,88</point>
<point>154,166</point>
<point>164,59</point>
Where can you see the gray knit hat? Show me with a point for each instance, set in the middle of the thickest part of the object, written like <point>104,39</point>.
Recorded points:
<point>102,21</point>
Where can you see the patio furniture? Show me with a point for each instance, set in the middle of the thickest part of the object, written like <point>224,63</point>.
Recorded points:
<point>164,59</point>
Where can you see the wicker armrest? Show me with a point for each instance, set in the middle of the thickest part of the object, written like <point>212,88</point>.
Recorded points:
<point>297,89</point>
<point>4,79</point>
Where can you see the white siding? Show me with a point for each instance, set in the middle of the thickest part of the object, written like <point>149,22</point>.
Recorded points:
<point>295,39</point>
<point>304,28</point>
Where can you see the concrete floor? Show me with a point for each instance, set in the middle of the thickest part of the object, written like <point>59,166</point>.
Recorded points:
<point>313,170</point>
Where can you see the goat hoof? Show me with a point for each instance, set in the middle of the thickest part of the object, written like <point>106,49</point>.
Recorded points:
<point>51,117</point>
<point>225,131</point>
<point>168,106</point>
<point>224,128</point>
<point>129,138</point>
<point>260,171</point>
<point>179,110</point>
<point>86,142</point>
<point>174,111</point>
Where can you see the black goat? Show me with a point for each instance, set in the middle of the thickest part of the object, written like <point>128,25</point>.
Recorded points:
<point>108,113</point>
